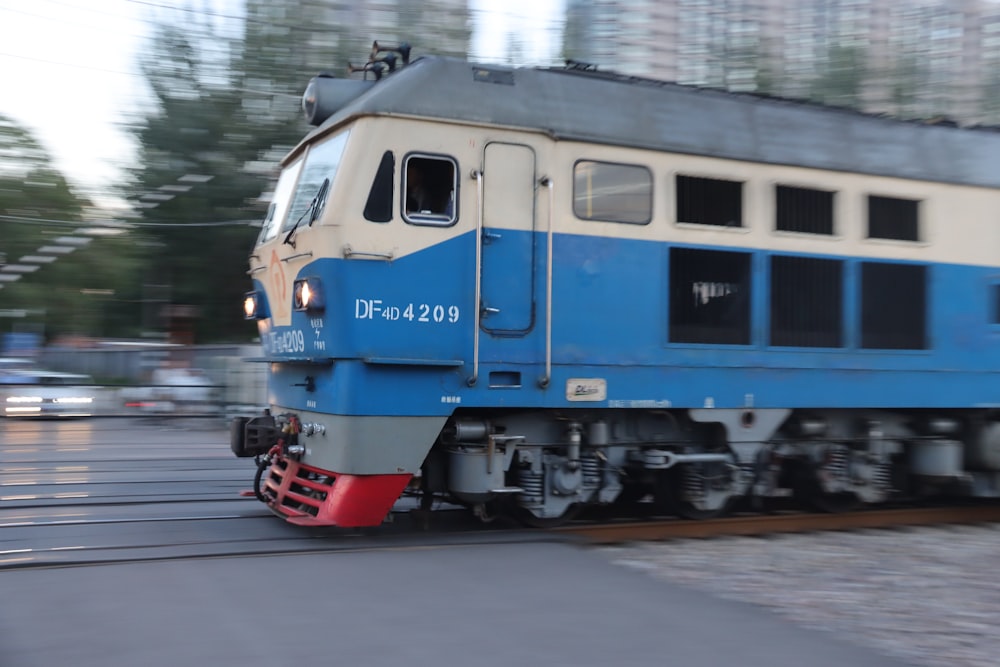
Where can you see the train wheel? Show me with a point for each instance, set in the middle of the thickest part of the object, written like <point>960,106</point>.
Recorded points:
<point>833,503</point>
<point>826,485</point>
<point>632,496</point>
<point>810,493</point>
<point>696,490</point>
<point>530,520</point>
<point>487,512</point>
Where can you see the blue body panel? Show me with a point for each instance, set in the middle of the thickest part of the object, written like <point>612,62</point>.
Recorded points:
<point>405,329</point>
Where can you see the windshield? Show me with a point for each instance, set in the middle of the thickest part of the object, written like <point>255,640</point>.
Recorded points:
<point>279,204</point>
<point>321,162</point>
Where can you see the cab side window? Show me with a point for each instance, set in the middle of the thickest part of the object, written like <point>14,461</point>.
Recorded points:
<point>378,208</point>
<point>430,187</point>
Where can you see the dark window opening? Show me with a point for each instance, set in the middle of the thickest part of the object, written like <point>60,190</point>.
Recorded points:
<point>709,296</point>
<point>709,201</point>
<point>892,218</point>
<point>487,75</point>
<point>995,294</point>
<point>378,208</point>
<point>612,192</point>
<point>806,302</point>
<point>430,185</point>
<point>893,306</point>
<point>803,210</point>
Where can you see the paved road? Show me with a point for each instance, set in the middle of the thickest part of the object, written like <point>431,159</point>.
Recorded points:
<point>490,605</point>
<point>127,579</point>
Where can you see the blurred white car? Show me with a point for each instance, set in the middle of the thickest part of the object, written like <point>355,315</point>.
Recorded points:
<point>171,390</point>
<point>31,392</point>
<point>11,366</point>
<point>183,384</point>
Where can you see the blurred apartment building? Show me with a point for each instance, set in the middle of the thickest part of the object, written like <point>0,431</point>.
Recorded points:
<point>287,42</point>
<point>301,38</point>
<point>910,58</point>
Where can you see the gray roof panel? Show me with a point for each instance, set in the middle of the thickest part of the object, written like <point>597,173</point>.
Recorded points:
<point>619,110</point>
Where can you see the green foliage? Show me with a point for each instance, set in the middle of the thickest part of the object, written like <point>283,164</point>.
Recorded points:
<point>29,188</point>
<point>574,42</point>
<point>842,76</point>
<point>767,74</point>
<point>991,97</point>
<point>224,106</point>
<point>39,206</point>
<point>203,126</point>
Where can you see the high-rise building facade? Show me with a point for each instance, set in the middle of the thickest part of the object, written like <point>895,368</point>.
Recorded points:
<point>912,58</point>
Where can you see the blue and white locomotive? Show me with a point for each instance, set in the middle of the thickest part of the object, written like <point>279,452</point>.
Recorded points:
<point>534,290</point>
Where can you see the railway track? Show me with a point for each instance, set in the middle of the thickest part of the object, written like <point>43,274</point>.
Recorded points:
<point>115,491</point>
<point>791,522</point>
<point>106,538</point>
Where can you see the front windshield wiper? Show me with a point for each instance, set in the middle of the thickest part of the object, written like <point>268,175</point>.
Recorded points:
<point>313,211</point>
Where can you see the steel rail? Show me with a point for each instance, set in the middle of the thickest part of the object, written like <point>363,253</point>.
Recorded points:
<point>612,533</point>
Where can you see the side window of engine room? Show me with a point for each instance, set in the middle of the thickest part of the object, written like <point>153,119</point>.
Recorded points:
<point>430,190</point>
<point>709,201</point>
<point>611,192</point>
<point>893,306</point>
<point>893,218</point>
<point>803,210</point>
<point>807,302</point>
<point>709,296</point>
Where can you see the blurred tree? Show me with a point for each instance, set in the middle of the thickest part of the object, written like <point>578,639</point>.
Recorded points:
<point>576,32</point>
<point>908,77</point>
<point>438,27</point>
<point>227,106</point>
<point>842,76</point>
<point>30,187</point>
<point>195,148</point>
<point>767,69</point>
<point>744,69</point>
<point>38,205</point>
<point>991,97</point>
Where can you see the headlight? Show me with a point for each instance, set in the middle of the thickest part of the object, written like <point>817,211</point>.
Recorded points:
<point>23,405</point>
<point>24,399</point>
<point>308,295</point>
<point>23,410</point>
<point>73,400</point>
<point>253,306</point>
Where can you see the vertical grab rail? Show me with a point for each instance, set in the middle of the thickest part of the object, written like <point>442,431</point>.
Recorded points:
<point>478,175</point>
<point>543,381</point>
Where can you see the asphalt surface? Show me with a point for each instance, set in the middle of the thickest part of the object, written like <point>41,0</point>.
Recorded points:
<point>488,605</point>
<point>113,575</point>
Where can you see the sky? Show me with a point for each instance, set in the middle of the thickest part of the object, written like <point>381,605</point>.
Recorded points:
<point>69,70</point>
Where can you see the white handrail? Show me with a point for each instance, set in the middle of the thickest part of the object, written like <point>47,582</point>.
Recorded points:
<point>545,379</point>
<point>478,175</point>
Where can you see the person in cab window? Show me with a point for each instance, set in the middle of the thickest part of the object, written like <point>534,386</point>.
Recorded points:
<point>418,198</point>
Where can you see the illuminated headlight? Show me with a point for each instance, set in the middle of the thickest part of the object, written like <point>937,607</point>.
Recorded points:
<point>307,294</point>
<point>24,399</point>
<point>73,400</point>
<point>253,306</point>
<point>23,410</point>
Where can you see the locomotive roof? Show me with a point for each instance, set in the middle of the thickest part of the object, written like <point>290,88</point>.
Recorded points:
<point>615,109</point>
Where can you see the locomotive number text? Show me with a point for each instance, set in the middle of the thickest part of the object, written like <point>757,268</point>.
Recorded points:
<point>370,309</point>
<point>285,342</point>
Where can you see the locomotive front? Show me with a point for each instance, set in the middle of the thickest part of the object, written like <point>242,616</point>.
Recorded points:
<point>326,453</point>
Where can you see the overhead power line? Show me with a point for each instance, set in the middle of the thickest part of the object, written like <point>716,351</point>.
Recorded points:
<point>124,224</point>
<point>273,93</point>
